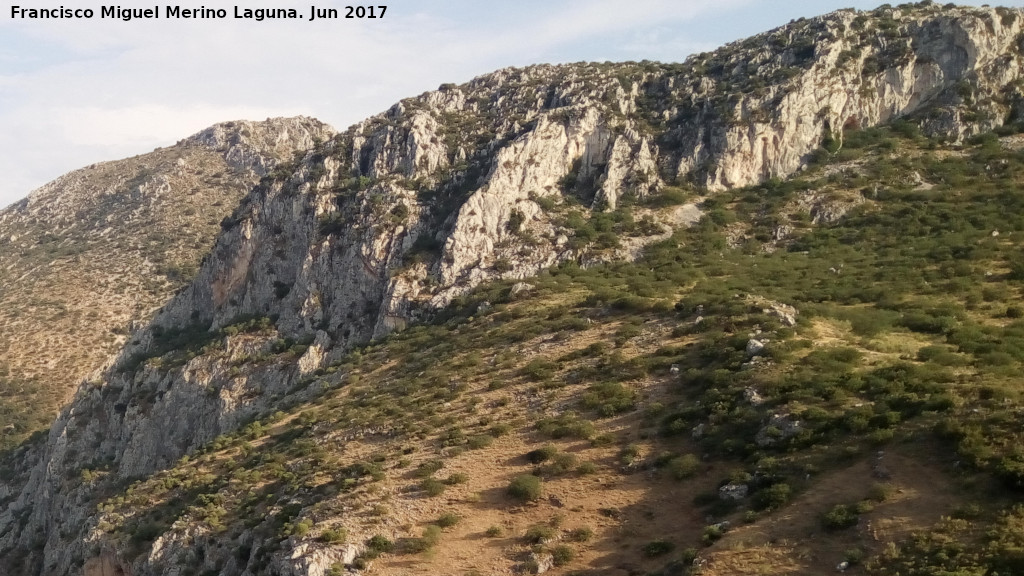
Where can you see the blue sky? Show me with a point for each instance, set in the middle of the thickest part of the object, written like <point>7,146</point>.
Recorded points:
<point>77,92</point>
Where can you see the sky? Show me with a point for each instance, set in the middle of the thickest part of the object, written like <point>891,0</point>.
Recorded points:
<point>78,91</point>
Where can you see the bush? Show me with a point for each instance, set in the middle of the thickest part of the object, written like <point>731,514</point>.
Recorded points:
<point>380,544</point>
<point>427,468</point>
<point>334,536</point>
<point>773,496</point>
<point>658,548</point>
<point>609,399</point>
<point>583,534</point>
<point>499,430</point>
<point>448,519</point>
<point>431,536</point>
<point>542,454</point>
<point>456,478</point>
<point>683,467</point>
<point>525,487</point>
<point>561,464</point>
<point>562,554</point>
<point>712,534</point>
<point>432,486</point>
<point>567,425</point>
<point>840,516</point>
<point>480,441</point>
<point>493,532</point>
<point>539,534</point>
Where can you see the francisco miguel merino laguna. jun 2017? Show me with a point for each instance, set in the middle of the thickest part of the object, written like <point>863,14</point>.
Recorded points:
<point>202,12</point>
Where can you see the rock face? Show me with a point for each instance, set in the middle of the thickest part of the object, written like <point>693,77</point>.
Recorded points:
<point>499,178</point>
<point>88,254</point>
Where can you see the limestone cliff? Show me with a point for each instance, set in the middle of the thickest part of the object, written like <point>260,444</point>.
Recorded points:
<point>88,254</point>
<point>499,178</point>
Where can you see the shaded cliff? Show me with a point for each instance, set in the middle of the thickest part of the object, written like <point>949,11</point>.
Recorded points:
<point>90,256</point>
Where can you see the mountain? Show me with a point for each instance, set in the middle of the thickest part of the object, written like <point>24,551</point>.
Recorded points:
<point>751,313</point>
<point>90,256</point>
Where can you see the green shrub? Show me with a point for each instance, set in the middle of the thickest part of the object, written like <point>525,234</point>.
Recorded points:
<point>432,486</point>
<point>563,554</point>
<point>658,548</point>
<point>629,454</point>
<point>583,534</point>
<point>431,536</point>
<point>494,532</point>
<point>426,469</point>
<point>448,519</point>
<point>880,492</point>
<point>525,487</point>
<point>539,534</point>
<point>334,536</point>
<point>609,399</point>
<point>840,516</point>
<point>380,544</point>
<point>480,441</point>
<point>712,534</point>
<point>567,425</point>
<point>456,478</point>
<point>562,463</point>
<point>683,467</point>
<point>542,454</point>
<point>499,430</point>
<point>772,497</point>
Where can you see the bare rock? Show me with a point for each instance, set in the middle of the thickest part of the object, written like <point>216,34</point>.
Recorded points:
<point>541,562</point>
<point>754,347</point>
<point>734,492</point>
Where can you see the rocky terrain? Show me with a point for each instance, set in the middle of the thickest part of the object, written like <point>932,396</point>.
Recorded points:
<point>268,417</point>
<point>90,256</point>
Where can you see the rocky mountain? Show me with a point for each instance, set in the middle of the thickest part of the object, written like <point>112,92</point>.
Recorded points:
<point>236,421</point>
<point>90,256</point>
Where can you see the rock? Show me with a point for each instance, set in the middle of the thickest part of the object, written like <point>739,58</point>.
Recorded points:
<point>754,347</point>
<point>755,362</point>
<point>541,562</point>
<point>843,566</point>
<point>753,397</point>
<point>784,312</point>
<point>778,428</point>
<point>733,492</point>
<point>519,288</point>
<point>698,431</point>
<point>674,370</point>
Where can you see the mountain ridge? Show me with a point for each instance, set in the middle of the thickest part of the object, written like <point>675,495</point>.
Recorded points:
<point>84,257</point>
<point>401,216</point>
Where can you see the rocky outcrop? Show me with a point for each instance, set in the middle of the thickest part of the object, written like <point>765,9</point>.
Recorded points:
<point>496,179</point>
<point>89,255</point>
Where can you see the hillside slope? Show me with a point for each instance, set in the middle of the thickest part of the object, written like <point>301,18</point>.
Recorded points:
<point>761,336</point>
<point>89,254</point>
<point>740,400</point>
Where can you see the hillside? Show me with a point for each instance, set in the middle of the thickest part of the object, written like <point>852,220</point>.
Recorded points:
<point>89,257</point>
<point>756,313</point>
